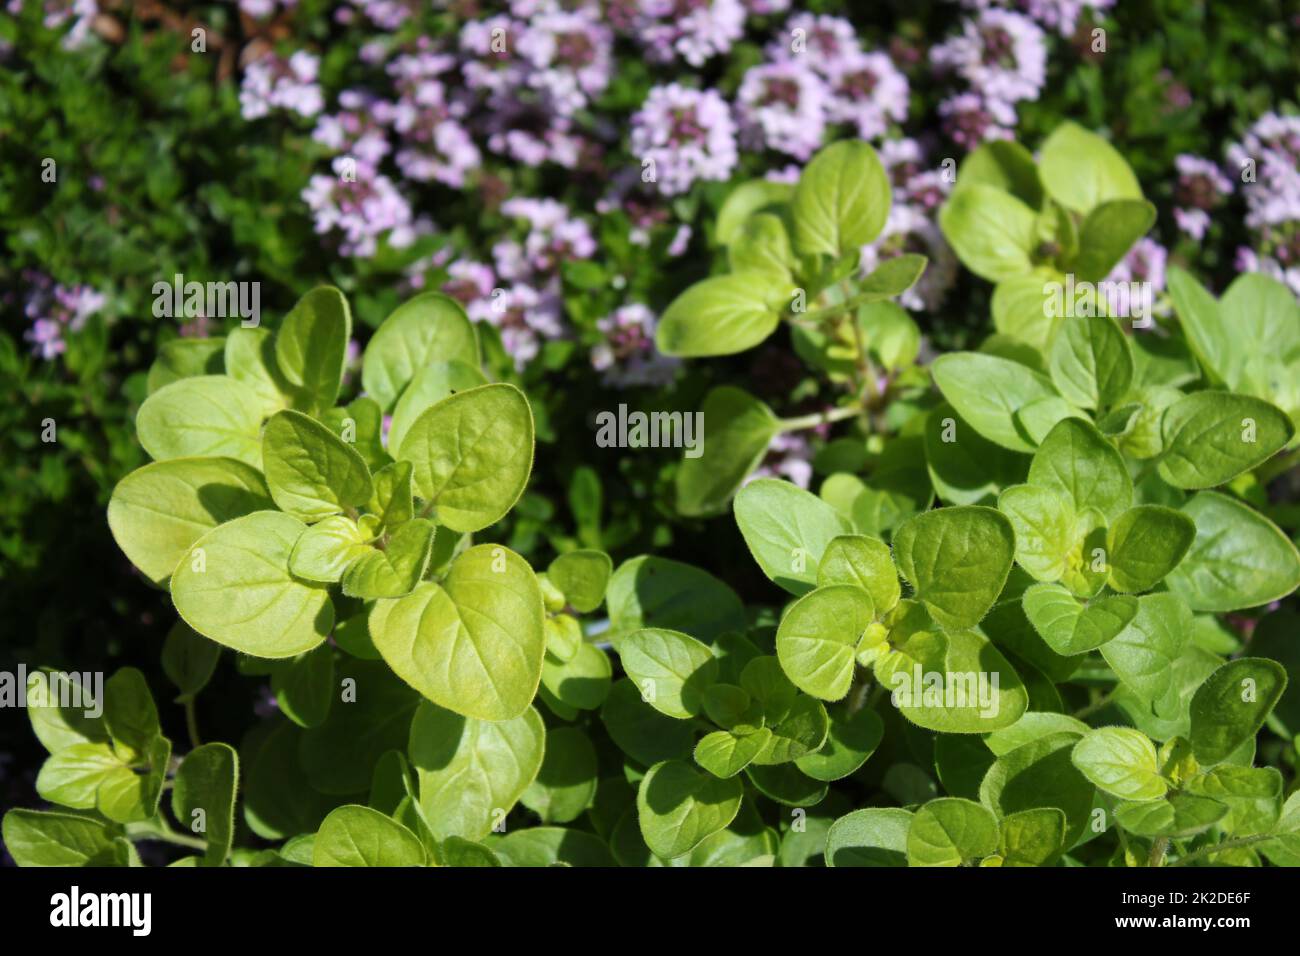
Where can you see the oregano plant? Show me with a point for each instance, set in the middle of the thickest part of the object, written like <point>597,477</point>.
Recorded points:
<point>992,633</point>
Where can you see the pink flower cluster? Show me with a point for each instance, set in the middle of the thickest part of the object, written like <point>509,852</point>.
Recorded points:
<point>1002,57</point>
<point>276,83</point>
<point>1267,162</point>
<point>54,309</point>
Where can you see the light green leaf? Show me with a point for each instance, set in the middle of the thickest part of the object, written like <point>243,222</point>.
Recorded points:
<point>157,512</point>
<point>724,753</point>
<point>353,835</point>
<point>956,560</point>
<point>1211,437</point>
<point>566,783</point>
<point>472,454</point>
<point>864,562</point>
<point>787,530</point>
<point>235,588</point>
<point>723,314</point>
<point>1040,774</point>
<point>38,838</point>
<point>312,474</point>
<point>1045,526</point>
<point>871,837</point>
<point>1180,815</point>
<point>203,797</point>
<point>762,245</point>
<point>72,776</point>
<point>207,416</point>
<point>471,772</point>
<point>1229,708</point>
<point>391,501</point>
<point>312,343</point>
<point>965,467</point>
<point>671,669</point>
<point>841,201</point>
<point>473,644</point>
<point>1239,558</point>
<point>429,328</point>
<point>816,639</point>
<point>678,807</point>
<point>1080,170</point>
<point>801,730</point>
<point>1143,653</point>
<point>1075,459</point>
<point>394,571</point>
<point>988,391</point>
<point>582,577</point>
<point>639,730</point>
<point>551,846</point>
<point>849,743</point>
<point>325,550</point>
<point>1031,837</point>
<point>580,683</point>
<point>951,831</point>
<point>250,360</point>
<point>746,200</point>
<point>185,358</point>
<point>1145,544</point>
<point>1091,362</point>
<point>1109,230</point>
<point>649,590</point>
<point>1120,761</point>
<point>1070,626</point>
<point>737,431</point>
<point>1253,796</point>
<point>993,233</point>
<point>431,384</point>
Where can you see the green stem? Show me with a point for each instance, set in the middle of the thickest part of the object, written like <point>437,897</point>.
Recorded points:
<point>161,831</point>
<point>192,723</point>
<point>1097,704</point>
<point>819,418</point>
<point>1220,847</point>
<point>1157,857</point>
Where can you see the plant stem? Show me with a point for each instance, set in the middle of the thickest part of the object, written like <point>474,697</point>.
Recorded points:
<point>819,418</point>
<point>159,830</point>
<point>1157,857</point>
<point>1219,847</point>
<point>192,723</point>
<point>1097,704</point>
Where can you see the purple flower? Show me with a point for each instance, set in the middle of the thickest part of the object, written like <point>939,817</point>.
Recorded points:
<point>387,14</point>
<point>59,12</point>
<point>789,456</point>
<point>525,316</point>
<point>1059,15</point>
<point>1000,54</point>
<point>363,210</point>
<point>968,119</point>
<point>275,83</point>
<point>56,309</point>
<point>627,356</point>
<point>570,55</point>
<point>1201,188</point>
<point>685,135</point>
<point>867,90</point>
<point>782,106</point>
<point>357,129</point>
<point>695,30</point>
<point>824,44</point>
<point>492,62</point>
<point>553,238</point>
<point>1145,262</point>
<point>262,9</point>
